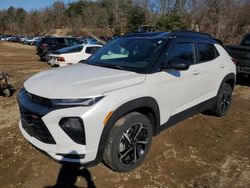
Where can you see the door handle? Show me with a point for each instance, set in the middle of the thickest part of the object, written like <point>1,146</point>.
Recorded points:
<point>195,72</point>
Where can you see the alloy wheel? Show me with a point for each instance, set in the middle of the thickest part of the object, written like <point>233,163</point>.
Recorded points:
<point>133,143</point>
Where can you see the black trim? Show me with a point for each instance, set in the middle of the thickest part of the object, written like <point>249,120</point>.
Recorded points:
<point>228,77</point>
<point>187,113</point>
<point>147,102</point>
<point>25,101</point>
<point>69,127</point>
<point>71,156</point>
<point>151,103</point>
<point>31,118</point>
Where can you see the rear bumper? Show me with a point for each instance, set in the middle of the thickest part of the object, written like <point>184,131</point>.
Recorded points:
<point>56,63</point>
<point>241,69</point>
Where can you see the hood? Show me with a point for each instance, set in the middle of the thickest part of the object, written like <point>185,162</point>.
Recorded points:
<point>80,81</point>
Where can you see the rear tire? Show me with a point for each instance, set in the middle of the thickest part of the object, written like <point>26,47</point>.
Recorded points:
<point>42,58</point>
<point>128,143</point>
<point>223,101</point>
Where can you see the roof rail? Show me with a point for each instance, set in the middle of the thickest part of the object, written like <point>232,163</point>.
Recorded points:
<point>191,32</point>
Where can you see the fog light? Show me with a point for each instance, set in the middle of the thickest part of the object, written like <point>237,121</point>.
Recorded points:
<point>73,127</point>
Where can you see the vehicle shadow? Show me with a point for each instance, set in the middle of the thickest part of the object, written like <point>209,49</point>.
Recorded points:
<point>69,173</point>
<point>243,81</point>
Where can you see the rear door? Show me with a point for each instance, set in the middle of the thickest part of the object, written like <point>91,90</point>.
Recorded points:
<point>209,67</point>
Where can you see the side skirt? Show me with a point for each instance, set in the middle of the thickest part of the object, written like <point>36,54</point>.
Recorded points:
<point>187,113</point>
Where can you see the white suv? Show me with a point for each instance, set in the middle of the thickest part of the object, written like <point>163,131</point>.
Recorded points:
<point>111,106</point>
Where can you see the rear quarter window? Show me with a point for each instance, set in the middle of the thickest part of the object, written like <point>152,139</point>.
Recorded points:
<point>206,52</point>
<point>92,50</point>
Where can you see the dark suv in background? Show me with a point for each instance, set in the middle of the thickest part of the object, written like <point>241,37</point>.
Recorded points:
<point>49,44</point>
<point>242,54</point>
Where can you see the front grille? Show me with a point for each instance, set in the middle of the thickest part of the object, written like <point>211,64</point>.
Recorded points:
<point>33,124</point>
<point>38,99</point>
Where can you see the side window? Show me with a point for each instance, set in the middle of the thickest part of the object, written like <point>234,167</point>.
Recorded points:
<point>206,52</point>
<point>60,41</point>
<point>91,50</point>
<point>184,51</point>
<point>50,41</point>
<point>71,41</point>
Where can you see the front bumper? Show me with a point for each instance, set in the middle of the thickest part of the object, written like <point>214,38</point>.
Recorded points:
<point>64,148</point>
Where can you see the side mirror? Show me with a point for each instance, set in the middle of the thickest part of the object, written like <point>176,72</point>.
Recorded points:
<point>177,64</point>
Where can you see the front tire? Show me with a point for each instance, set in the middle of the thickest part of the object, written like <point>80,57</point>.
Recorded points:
<point>223,101</point>
<point>129,142</point>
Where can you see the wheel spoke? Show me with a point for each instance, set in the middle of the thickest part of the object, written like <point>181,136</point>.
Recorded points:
<point>227,94</point>
<point>142,142</point>
<point>225,100</point>
<point>138,131</point>
<point>135,154</point>
<point>126,153</point>
<point>127,137</point>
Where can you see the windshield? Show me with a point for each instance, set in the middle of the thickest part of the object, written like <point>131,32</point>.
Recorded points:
<point>132,54</point>
<point>70,49</point>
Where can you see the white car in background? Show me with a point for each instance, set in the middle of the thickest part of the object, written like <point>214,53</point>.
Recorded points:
<point>72,55</point>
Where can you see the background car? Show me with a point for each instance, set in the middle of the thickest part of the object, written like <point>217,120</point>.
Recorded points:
<point>33,40</point>
<point>48,44</point>
<point>242,55</point>
<point>72,55</point>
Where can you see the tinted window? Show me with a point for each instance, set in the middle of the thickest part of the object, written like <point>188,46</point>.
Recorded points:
<point>71,41</point>
<point>49,40</point>
<point>91,50</point>
<point>60,41</point>
<point>132,53</point>
<point>184,51</point>
<point>71,49</point>
<point>206,52</point>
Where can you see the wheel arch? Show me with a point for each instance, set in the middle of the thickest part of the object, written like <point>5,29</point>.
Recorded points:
<point>229,79</point>
<point>146,105</point>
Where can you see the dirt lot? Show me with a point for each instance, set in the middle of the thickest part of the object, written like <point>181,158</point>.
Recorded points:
<point>203,151</point>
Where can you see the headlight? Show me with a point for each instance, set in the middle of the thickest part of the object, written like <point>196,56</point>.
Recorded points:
<point>75,102</point>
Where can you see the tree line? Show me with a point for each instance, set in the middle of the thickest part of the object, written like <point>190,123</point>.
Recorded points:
<point>225,19</point>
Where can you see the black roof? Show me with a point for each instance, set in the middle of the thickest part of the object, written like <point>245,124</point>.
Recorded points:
<point>180,33</point>
<point>146,34</point>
